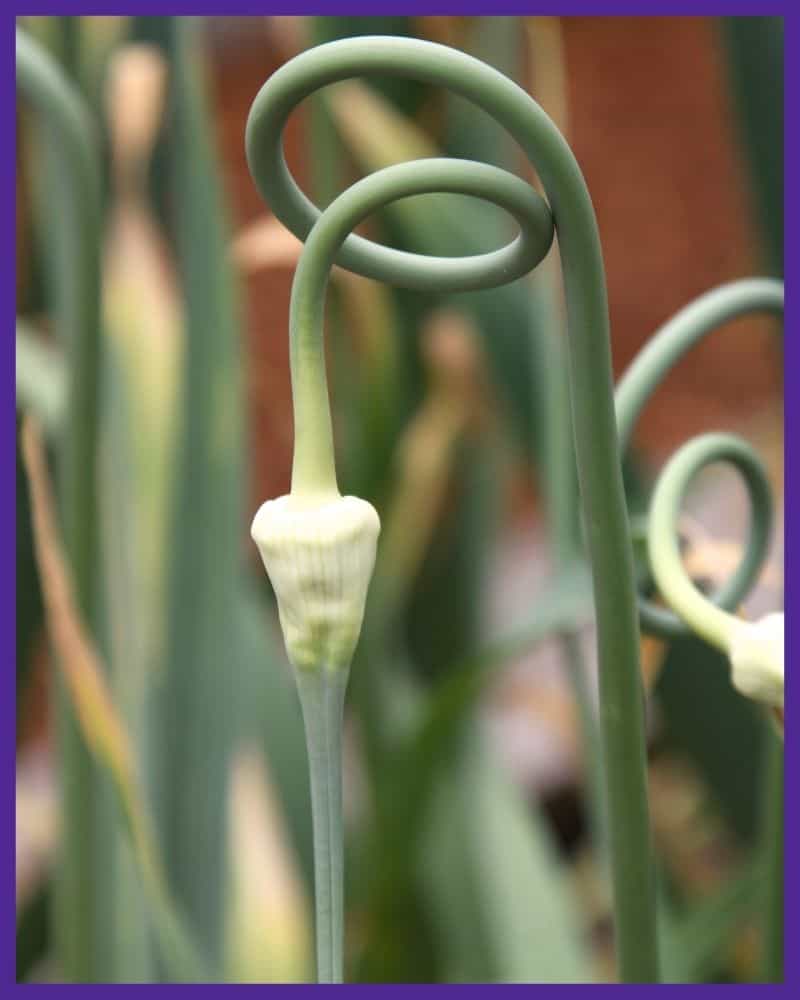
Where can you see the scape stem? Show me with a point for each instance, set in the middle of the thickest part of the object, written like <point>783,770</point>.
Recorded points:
<point>571,213</point>
<point>322,699</point>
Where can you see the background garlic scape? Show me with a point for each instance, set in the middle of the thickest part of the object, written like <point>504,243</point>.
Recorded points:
<point>755,649</point>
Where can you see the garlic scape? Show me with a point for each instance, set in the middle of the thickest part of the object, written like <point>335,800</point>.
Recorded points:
<point>754,649</point>
<point>320,620</point>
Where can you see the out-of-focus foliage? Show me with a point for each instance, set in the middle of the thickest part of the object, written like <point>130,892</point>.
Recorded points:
<point>755,55</point>
<point>456,870</point>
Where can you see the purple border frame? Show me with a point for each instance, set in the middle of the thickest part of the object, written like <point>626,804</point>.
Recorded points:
<point>792,407</point>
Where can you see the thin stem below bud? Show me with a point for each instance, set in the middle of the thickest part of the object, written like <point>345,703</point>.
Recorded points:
<point>322,698</point>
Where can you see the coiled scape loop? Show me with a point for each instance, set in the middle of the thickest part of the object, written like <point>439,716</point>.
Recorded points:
<point>705,615</point>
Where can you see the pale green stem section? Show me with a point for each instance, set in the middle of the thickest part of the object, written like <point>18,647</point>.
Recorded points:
<point>313,471</point>
<point>772,887</point>
<point>322,694</point>
<point>702,616</point>
<point>561,498</point>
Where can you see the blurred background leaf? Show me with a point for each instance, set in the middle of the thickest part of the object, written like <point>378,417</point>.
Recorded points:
<point>755,61</point>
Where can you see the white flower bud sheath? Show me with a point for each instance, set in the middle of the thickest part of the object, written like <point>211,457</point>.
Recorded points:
<point>319,555</point>
<point>757,654</point>
<point>318,549</point>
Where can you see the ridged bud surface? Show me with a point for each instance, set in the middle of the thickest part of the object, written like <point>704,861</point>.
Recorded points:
<point>319,558</point>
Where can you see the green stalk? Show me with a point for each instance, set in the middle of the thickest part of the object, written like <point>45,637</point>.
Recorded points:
<point>560,483</point>
<point>692,607</point>
<point>622,716</point>
<point>77,235</point>
<point>772,858</point>
<point>561,503</point>
<point>691,610</point>
<point>562,512</point>
<point>666,347</point>
<point>326,170</point>
<point>322,698</point>
<point>321,692</point>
